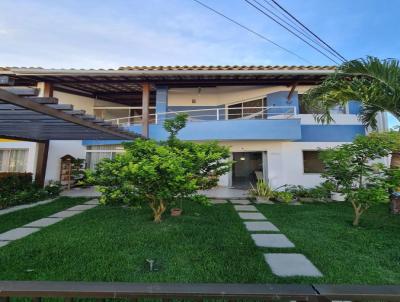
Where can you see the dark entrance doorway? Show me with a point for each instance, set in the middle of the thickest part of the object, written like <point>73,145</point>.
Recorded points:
<point>248,167</point>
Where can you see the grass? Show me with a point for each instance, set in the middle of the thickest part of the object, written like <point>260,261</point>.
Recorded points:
<point>368,254</point>
<point>206,244</point>
<point>19,218</point>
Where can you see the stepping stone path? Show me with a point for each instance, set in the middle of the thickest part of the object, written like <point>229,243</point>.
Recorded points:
<point>255,226</point>
<point>288,265</point>
<point>252,216</point>
<point>240,201</point>
<point>271,240</point>
<point>245,208</point>
<point>218,201</point>
<point>35,226</point>
<point>281,264</point>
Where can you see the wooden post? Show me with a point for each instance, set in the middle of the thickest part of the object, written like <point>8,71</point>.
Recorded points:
<point>41,162</point>
<point>46,89</point>
<point>145,109</point>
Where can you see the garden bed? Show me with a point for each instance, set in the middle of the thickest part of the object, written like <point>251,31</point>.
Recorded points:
<point>206,244</point>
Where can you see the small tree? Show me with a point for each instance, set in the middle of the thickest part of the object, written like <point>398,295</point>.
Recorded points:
<point>160,173</point>
<point>352,166</point>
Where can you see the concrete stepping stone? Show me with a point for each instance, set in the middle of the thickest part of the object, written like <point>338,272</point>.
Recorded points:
<point>251,216</point>
<point>4,243</point>
<point>248,208</point>
<point>240,201</point>
<point>218,201</point>
<point>17,233</point>
<point>82,207</point>
<point>93,202</point>
<point>44,222</point>
<point>65,214</point>
<point>260,226</point>
<point>272,240</point>
<point>287,265</point>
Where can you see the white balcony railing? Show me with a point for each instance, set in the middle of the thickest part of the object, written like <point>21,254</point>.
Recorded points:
<point>215,114</point>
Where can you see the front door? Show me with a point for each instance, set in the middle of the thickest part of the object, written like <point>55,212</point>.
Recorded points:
<point>247,169</point>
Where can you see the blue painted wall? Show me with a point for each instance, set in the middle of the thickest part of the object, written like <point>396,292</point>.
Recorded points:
<point>280,99</point>
<point>233,130</point>
<point>330,133</point>
<point>355,107</point>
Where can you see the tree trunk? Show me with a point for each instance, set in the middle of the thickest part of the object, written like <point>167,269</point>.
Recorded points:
<point>357,215</point>
<point>395,161</point>
<point>158,209</point>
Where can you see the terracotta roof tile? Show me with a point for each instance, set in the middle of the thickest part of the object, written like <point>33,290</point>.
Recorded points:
<point>226,67</point>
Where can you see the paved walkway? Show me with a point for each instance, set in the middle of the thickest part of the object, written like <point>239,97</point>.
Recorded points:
<point>81,192</point>
<point>266,235</point>
<point>35,226</point>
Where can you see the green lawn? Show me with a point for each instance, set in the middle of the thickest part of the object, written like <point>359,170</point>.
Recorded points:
<point>206,244</point>
<point>369,253</point>
<point>19,218</point>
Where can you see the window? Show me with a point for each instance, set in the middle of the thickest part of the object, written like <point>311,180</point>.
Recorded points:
<point>13,160</point>
<point>312,163</point>
<point>94,154</point>
<point>248,109</point>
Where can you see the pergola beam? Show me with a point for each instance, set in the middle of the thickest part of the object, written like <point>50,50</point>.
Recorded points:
<point>46,110</point>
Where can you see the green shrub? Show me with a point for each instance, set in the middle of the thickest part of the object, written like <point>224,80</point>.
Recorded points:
<point>18,188</point>
<point>352,169</point>
<point>160,174</point>
<point>284,196</point>
<point>262,189</point>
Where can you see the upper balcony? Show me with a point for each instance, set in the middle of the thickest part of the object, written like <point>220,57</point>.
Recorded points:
<point>244,123</point>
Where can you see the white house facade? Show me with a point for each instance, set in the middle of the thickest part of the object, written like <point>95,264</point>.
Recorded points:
<point>255,110</point>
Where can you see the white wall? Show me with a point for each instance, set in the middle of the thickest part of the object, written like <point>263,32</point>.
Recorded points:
<point>79,102</point>
<point>285,160</point>
<point>57,149</point>
<point>221,95</point>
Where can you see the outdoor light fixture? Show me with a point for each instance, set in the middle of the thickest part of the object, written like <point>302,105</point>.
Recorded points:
<point>243,158</point>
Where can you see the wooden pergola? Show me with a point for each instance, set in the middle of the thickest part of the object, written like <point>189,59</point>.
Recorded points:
<point>41,119</point>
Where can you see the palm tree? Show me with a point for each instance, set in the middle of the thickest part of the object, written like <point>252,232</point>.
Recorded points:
<point>373,82</point>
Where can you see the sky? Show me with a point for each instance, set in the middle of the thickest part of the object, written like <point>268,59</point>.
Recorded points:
<point>109,34</point>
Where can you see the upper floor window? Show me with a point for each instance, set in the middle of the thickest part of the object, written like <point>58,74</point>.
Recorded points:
<point>13,160</point>
<point>312,163</point>
<point>253,109</point>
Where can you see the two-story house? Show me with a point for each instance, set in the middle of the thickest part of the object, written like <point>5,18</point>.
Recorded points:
<point>255,110</point>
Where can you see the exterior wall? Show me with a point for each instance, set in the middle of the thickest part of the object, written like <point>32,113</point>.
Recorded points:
<point>285,160</point>
<point>222,95</point>
<point>57,149</point>
<point>79,102</point>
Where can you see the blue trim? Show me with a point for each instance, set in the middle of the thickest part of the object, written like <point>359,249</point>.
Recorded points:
<point>355,107</point>
<point>91,142</point>
<point>330,133</point>
<point>232,130</point>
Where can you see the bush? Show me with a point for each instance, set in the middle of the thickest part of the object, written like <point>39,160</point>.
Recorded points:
<point>262,189</point>
<point>18,188</point>
<point>351,167</point>
<point>160,174</point>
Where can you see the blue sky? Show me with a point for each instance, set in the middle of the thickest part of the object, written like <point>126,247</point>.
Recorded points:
<point>108,34</point>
